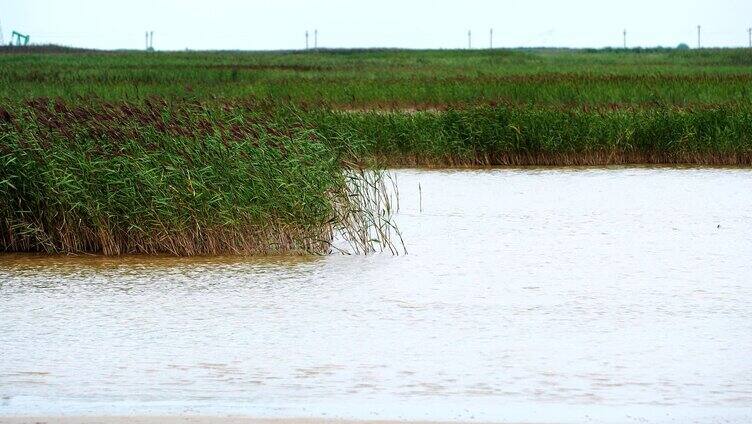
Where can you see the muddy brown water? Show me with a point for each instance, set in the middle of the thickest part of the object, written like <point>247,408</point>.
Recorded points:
<point>547,295</point>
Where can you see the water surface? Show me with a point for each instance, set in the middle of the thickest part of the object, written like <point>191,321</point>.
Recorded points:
<point>603,295</point>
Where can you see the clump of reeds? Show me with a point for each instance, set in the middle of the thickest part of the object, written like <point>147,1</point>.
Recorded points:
<point>504,135</point>
<point>182,179</point>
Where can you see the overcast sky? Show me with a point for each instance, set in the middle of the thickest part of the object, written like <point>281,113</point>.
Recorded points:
<point>281,24</point>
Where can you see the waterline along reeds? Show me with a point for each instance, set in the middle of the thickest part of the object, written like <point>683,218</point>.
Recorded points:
<point>178,179</point>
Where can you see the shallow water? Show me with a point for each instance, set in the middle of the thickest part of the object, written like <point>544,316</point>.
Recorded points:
<point>603,295</point>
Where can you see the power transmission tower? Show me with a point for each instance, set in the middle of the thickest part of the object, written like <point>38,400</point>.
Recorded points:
<point>316,39</point>
<point>306,40</point>
<point>625,39</point>
<point>469,40</point>
<point>147,40</point>
<point>491,40</point>
<point>699,44</point>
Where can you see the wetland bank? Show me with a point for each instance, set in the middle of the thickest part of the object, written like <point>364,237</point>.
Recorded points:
<point>207,153</point>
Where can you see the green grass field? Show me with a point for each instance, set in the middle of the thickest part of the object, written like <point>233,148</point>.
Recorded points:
<point>392,79</point>
<point>212,152</point>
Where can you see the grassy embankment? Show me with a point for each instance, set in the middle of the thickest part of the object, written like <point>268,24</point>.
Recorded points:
<point>192,153</point>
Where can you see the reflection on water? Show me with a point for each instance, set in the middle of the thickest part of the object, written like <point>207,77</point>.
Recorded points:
<point>549,295</point>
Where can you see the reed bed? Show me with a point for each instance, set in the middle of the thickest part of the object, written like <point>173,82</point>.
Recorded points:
<point>394,78</point>
<point>183,179</point>
<point>262,153</point>
<point>536,136</point>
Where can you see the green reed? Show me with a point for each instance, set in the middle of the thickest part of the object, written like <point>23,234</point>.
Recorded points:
<point>178,179</point>
<point>505,135</point>
<point>389,78</point>
<point>228,152</point>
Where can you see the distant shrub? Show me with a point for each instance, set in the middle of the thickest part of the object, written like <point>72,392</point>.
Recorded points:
<point>682,46</point>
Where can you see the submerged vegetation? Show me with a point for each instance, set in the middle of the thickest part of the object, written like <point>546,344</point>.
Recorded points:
<point>206,153</point>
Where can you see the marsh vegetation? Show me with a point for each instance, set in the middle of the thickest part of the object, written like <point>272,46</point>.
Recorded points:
<point>222,152</point>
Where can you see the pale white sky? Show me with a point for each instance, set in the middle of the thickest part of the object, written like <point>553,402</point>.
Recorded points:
<point>281,24</point>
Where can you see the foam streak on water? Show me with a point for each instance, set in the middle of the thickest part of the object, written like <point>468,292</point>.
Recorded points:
<point>527,295</point>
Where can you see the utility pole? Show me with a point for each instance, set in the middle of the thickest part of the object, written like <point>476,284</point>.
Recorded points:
<point>149,41</point>
<point>625,39</point>
<point>491,40</point>
<point>699,43</point>
<point>469,40</point>
<point>2,40</point>
<point>306,40</point>
<point>316,39</point>
<point>749,31</point>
